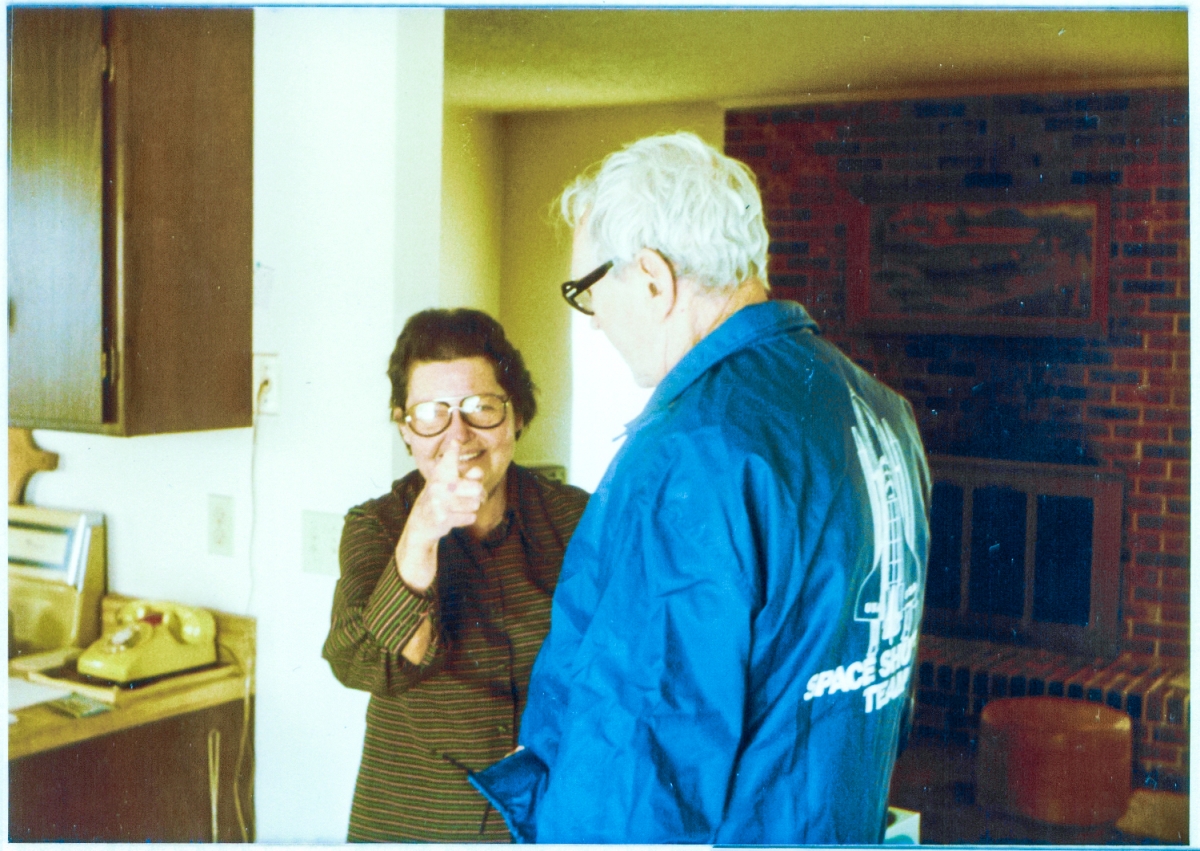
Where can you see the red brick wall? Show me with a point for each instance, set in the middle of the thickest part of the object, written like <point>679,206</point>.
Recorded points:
<point>1119,399</point>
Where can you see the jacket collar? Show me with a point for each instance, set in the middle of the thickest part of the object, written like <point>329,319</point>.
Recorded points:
<point>750,326</point>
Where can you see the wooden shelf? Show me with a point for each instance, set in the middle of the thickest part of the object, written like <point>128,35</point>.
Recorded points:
<point>40,728</point>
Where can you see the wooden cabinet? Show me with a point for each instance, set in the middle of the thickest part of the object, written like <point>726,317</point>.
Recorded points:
<point>152,783</point>
<point>130,212</point>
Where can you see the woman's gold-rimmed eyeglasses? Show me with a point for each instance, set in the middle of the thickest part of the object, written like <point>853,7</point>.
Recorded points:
<point>483,410</point>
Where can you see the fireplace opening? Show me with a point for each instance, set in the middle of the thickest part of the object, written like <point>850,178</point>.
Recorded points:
<point>1025,553</point>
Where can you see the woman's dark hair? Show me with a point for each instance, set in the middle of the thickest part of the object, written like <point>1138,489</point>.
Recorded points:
<point>441,334</point>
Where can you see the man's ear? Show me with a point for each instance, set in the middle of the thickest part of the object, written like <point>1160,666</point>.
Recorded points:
<point>661,280</point>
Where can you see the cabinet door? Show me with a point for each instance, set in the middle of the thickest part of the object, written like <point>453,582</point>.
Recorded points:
<point>182,103</point>
<point>152,783</point>
<point>55,217</point>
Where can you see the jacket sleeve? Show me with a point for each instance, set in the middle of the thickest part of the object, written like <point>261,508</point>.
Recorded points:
<point>383,637</point>
<point>650,738</point>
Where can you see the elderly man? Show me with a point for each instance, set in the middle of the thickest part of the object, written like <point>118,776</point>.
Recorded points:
<point>734,631</point>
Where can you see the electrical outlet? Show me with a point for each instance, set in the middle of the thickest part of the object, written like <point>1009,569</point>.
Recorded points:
<point>320,535</point>
<point>220,525</point>
<point>266,383</point>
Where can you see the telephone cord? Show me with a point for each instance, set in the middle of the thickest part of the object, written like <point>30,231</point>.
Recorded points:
<point>214,777</point>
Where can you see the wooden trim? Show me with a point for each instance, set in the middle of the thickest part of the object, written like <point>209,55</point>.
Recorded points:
<point>25,458</point>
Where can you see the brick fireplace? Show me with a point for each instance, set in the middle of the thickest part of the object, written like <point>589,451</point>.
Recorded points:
<point>1113,398</point>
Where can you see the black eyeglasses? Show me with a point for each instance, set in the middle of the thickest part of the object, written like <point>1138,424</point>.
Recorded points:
<point>429,419</point>
<point>577,293</point>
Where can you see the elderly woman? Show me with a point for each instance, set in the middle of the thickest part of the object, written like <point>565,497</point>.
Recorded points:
<point>446,581</point>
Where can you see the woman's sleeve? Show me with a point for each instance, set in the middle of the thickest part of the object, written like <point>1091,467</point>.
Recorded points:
<point>383,637</point>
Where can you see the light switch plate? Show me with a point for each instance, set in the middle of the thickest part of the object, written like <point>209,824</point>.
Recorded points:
<point>220,525</point>
<point>320,535</point>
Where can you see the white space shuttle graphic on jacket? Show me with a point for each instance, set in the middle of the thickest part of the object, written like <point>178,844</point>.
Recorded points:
<point>889,599</point>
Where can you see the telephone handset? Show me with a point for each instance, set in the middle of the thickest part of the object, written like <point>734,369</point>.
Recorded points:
<point>149,640</point>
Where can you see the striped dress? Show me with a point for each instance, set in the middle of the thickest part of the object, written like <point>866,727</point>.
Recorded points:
<point>484,618</point>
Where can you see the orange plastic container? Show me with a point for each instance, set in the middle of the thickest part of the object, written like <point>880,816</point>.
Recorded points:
<point>1054,760</point>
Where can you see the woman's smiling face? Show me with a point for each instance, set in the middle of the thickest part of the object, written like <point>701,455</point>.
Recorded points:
<point>491,450</point>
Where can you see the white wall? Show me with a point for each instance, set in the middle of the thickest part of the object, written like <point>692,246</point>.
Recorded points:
<point>587,393</point>
<point>348,110</point>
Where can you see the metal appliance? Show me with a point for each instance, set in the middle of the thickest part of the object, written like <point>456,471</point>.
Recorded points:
<point>56,578</point>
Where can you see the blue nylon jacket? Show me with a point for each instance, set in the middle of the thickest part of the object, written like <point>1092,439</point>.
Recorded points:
<point>734,630</point>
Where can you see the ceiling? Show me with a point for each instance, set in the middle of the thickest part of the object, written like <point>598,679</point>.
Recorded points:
<point>521,59</point>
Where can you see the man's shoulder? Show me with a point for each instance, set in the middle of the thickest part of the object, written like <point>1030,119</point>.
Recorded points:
<point>781,397</point>
<point>800,362</point>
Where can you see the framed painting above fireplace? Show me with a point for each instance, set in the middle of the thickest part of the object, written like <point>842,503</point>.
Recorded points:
<point>995,268</point>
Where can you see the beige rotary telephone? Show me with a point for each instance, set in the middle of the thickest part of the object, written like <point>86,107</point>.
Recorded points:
<point>151,640</point>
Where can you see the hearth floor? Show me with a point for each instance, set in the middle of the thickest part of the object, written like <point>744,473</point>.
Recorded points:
<point>936,778</point>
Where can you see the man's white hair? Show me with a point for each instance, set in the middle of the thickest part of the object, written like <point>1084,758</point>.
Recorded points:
<point>681,197</point>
